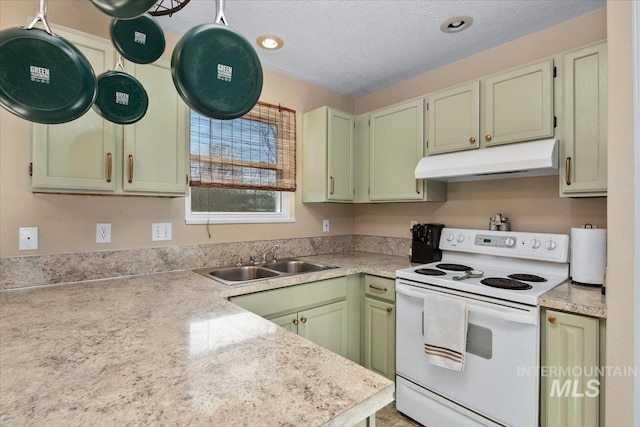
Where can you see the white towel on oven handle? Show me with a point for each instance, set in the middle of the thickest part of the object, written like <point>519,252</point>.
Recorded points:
<point>445,331</point>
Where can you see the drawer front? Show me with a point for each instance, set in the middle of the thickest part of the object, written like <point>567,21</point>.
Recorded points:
<point>380,287</point>
<point>293,298</point>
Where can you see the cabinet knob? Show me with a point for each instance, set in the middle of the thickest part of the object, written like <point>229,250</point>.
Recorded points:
<point>303,320</point>
<point>487,137</point>
<point>389,309</point>
<point>295,322</point>
<point>552,319</point>
<point>472,140</point>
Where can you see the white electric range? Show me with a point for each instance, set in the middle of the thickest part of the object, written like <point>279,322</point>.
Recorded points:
<point>510,271</point>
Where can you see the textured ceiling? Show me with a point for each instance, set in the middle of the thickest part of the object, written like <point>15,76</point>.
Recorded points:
<point>355,47</point>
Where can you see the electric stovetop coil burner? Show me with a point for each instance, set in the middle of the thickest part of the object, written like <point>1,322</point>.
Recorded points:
<point>527,277</point>
<point>430,272</point>
<point>504,283</point>
<point>454,267</point>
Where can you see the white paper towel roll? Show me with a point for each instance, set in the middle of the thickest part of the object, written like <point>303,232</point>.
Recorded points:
<point>588,255</point>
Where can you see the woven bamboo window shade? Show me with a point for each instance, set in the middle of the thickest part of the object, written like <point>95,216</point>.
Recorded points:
<point>256,151</point>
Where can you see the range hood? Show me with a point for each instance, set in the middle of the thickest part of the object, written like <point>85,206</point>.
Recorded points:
<point>533,158</point>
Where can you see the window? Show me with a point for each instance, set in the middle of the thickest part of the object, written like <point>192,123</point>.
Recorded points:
<point>242,170</point>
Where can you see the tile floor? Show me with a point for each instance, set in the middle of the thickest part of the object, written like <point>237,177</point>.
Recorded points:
<point>390,417</point>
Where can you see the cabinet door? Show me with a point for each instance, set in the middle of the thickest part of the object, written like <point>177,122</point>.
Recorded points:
<point>584,169</point>
<point>380,337</point>
<point>155,148</point>
<point>519,105</point>
<point>570,397</point>
<point>288,321</point>
<point>326,326</point>
<point>454,119</point>
<point>78,155</point>
<point>396,147</point>
<point>340,152</point>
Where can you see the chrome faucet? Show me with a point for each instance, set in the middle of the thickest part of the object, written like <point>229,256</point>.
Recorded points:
<point>274,254</point>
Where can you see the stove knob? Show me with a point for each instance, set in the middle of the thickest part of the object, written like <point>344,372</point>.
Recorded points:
<point>509,242</point>
<point>535,243</point>
<point>450,237</point>
<point>550,245</point>
<point>460,238</point>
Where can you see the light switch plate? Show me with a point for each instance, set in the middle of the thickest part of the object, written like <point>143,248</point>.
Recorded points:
<point>28,238</point>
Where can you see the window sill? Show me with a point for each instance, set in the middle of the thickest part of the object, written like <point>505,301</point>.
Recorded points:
<point>237,219</point>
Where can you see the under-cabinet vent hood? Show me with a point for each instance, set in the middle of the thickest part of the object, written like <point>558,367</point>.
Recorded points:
<point>522,159</point>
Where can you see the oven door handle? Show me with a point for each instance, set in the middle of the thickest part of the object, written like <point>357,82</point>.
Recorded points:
<point>529,319</point>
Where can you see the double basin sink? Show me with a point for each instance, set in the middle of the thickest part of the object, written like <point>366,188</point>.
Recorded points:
<point>249,273</point>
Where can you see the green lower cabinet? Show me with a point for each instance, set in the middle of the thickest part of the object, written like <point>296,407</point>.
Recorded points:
<point>325,325</point>
<point>570,384</point>
<point>379,337</point>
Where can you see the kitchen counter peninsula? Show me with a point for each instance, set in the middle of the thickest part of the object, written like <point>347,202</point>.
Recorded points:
<point>167,349</point>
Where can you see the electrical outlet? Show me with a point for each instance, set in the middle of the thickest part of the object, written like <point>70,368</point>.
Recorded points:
<point>160,231</point>
<point>28,238</point>
<point>103,232</point>
<point>325,225</point>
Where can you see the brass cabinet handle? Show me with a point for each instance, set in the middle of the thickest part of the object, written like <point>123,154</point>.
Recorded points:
<point>389,309</point>
<point>487,137</point>
<point>552,319</point>
<point>130,168</point>
<point>417,188</point>
<point>567,170</point>
<point>303,320</point>
<point>295,322</point>
<point>378,288</point>
<point>472,140</point>
<point>333,186</point>
<point>109,167</point>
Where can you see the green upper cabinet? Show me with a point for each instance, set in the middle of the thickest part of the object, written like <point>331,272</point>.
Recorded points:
<point>454,119</point>
<point>518,105</point>
<point>328,148</point>
<point>396,145</point>
<point>78,155</point>
<point>584,170</point>
<point>91,155</point>
<point>156,147</point>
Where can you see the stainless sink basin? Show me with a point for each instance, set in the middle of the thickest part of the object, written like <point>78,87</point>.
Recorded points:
<point>242,274</point>
<point>248,273</point>
<point>294,266</point>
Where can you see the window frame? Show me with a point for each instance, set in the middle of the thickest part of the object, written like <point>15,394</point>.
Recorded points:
<point>285,214</point>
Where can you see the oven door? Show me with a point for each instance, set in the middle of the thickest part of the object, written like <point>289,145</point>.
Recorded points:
<point>499,384</point>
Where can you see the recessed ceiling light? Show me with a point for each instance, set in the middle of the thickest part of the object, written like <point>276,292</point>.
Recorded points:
<point>270,42</point>
<point>456,24</point>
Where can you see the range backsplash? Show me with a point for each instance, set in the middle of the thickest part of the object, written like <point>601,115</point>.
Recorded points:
<point>40,270</point>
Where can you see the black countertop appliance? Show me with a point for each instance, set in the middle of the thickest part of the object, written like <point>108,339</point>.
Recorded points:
<point>425,243</point>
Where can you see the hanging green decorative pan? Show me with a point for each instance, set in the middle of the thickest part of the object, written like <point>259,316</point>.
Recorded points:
<point>216,70</point>
<point>140,40</point>
<point>43,77</point>
<point>121,97</point>
<point>123,9</point>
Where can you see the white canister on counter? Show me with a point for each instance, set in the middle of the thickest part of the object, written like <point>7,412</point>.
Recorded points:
<point>588,255</point>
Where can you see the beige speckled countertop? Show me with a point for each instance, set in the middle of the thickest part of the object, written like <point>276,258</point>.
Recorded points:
<point>577,299</point>
<point>169,349</point>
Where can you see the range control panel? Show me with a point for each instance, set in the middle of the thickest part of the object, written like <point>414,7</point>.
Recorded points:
<point>516,244</point>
